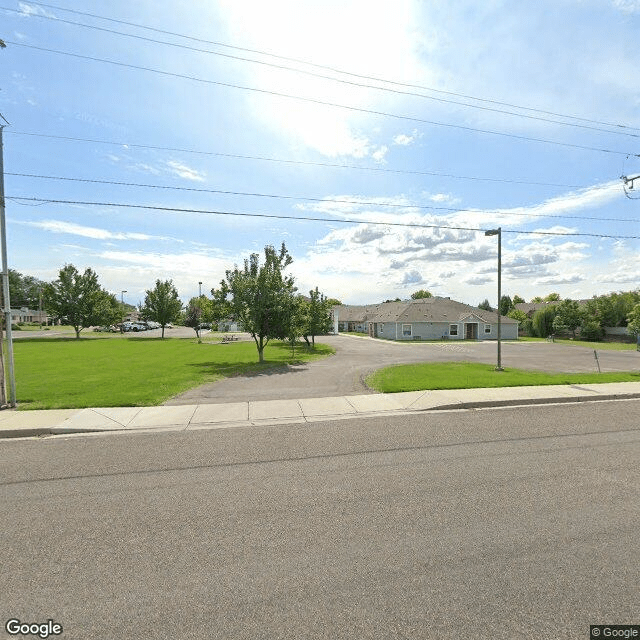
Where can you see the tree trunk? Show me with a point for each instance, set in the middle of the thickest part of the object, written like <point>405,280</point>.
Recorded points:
<point>163,332</point>
<point>77,329</point>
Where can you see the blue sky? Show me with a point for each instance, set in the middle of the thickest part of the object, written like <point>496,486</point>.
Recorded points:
<point>447,160</point>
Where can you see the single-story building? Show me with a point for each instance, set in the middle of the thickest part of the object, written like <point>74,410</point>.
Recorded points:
<point>28,315</point>
<point>352,317</point>
<point>435,319</point>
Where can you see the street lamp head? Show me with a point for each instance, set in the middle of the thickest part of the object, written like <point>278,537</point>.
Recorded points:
<point>492,232</point>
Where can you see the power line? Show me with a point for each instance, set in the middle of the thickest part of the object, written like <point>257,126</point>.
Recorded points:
<point>626,132</point>
<point>309,199</point>
<point>324,67</point>
<point>325,103</point>
<point>317,219</point>
<point>295,162</point>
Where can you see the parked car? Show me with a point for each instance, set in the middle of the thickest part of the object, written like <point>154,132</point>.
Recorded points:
<point>133,326</point>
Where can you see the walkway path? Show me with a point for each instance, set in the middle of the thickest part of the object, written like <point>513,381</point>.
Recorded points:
<point>343,374</point>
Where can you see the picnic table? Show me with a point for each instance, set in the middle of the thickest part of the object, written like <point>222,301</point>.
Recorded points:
<point>229,338</point>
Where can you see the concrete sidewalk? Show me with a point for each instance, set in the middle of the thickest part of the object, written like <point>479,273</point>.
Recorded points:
<point>15,424</point>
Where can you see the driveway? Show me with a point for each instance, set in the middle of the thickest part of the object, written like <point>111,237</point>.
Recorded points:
<point>344,373</point>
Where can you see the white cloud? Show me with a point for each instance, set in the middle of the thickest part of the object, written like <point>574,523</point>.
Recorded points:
<point>95,233</point>
<point>560,278</point>
<point>379,154</point>
<point>627,6</point>
<point>29,10</point>
<point>403,140</point>
<point>184,171</point>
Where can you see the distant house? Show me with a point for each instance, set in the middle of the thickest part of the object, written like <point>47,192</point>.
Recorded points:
<point>426,319</point>
<point>28,315</point>
<point>353,318</point>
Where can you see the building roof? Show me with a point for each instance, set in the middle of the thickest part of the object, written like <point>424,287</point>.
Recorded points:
<point>421,310</point>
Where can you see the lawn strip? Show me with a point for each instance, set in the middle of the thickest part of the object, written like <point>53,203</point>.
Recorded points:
<point>470,375</point>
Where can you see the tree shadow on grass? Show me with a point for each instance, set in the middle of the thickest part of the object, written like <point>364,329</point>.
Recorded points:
<point>235,370</point>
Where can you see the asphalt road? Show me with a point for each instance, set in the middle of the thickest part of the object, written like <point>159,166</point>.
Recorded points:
<point>510,523</point>
<point>344,372</point>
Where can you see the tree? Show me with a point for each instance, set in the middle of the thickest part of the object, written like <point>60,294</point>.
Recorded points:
<point>298,314</point>
<point>518,300</point>
<point>260,296</point>
<point>506,304</point>
<point>524,322</point>
<point>543,321</point>
<point>516,314</point>
<point>162,304</point>
<point>536,300</point>
<point>633,321</point>
<point>421,293</point>
<point>568,317</point>
<point>334,302</point>
<point>591,330</point>
<point>316,317</point>
<point>198,311</point>
<point>24,290</point>
<point>485,305</point>
<point>552,297</point>
<point>77,299</point>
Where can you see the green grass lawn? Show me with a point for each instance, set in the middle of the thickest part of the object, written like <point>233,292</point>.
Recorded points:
<point>90,372</point>
<point>599,346</point>
<point>469,375</point>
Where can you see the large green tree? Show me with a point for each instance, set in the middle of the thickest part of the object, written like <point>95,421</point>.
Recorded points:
<point>24,290</point>
<point>506,304</point>
<point>543,321</point>
<point>633,321</point>
<point>568,317</point>
<point>261,296</point>
<point>79,300</point>
<point>317,316</point>
<point>162,304</point>
<point>421,293</point>
<point>198,311</point>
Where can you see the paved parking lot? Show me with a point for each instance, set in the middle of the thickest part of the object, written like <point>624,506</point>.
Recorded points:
<point>344,372</point>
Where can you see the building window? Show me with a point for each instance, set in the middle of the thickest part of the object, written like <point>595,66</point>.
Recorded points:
<point>406,330</point>
<point>487,328</point>
<point>453,329</point>
<point>382,327</point>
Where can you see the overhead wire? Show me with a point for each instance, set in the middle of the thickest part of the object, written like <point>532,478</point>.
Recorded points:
<point>317,101</point>
<point>319,219</point>
<point>311,199</point>
<point>295,162</point>
<point>625,132</point>
<point>326,67</point>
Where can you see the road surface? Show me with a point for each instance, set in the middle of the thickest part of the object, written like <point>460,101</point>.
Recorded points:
<point>503,523</point>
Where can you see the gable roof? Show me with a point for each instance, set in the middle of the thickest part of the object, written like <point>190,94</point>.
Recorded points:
<point>421,310</point>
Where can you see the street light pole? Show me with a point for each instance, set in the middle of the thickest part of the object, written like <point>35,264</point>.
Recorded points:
<point>199,289</point>
<point>498,232</point>
<point>5,281</point>
<point>122,306</point>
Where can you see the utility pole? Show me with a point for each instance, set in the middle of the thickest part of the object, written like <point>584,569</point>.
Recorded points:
<point>5,279</point>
